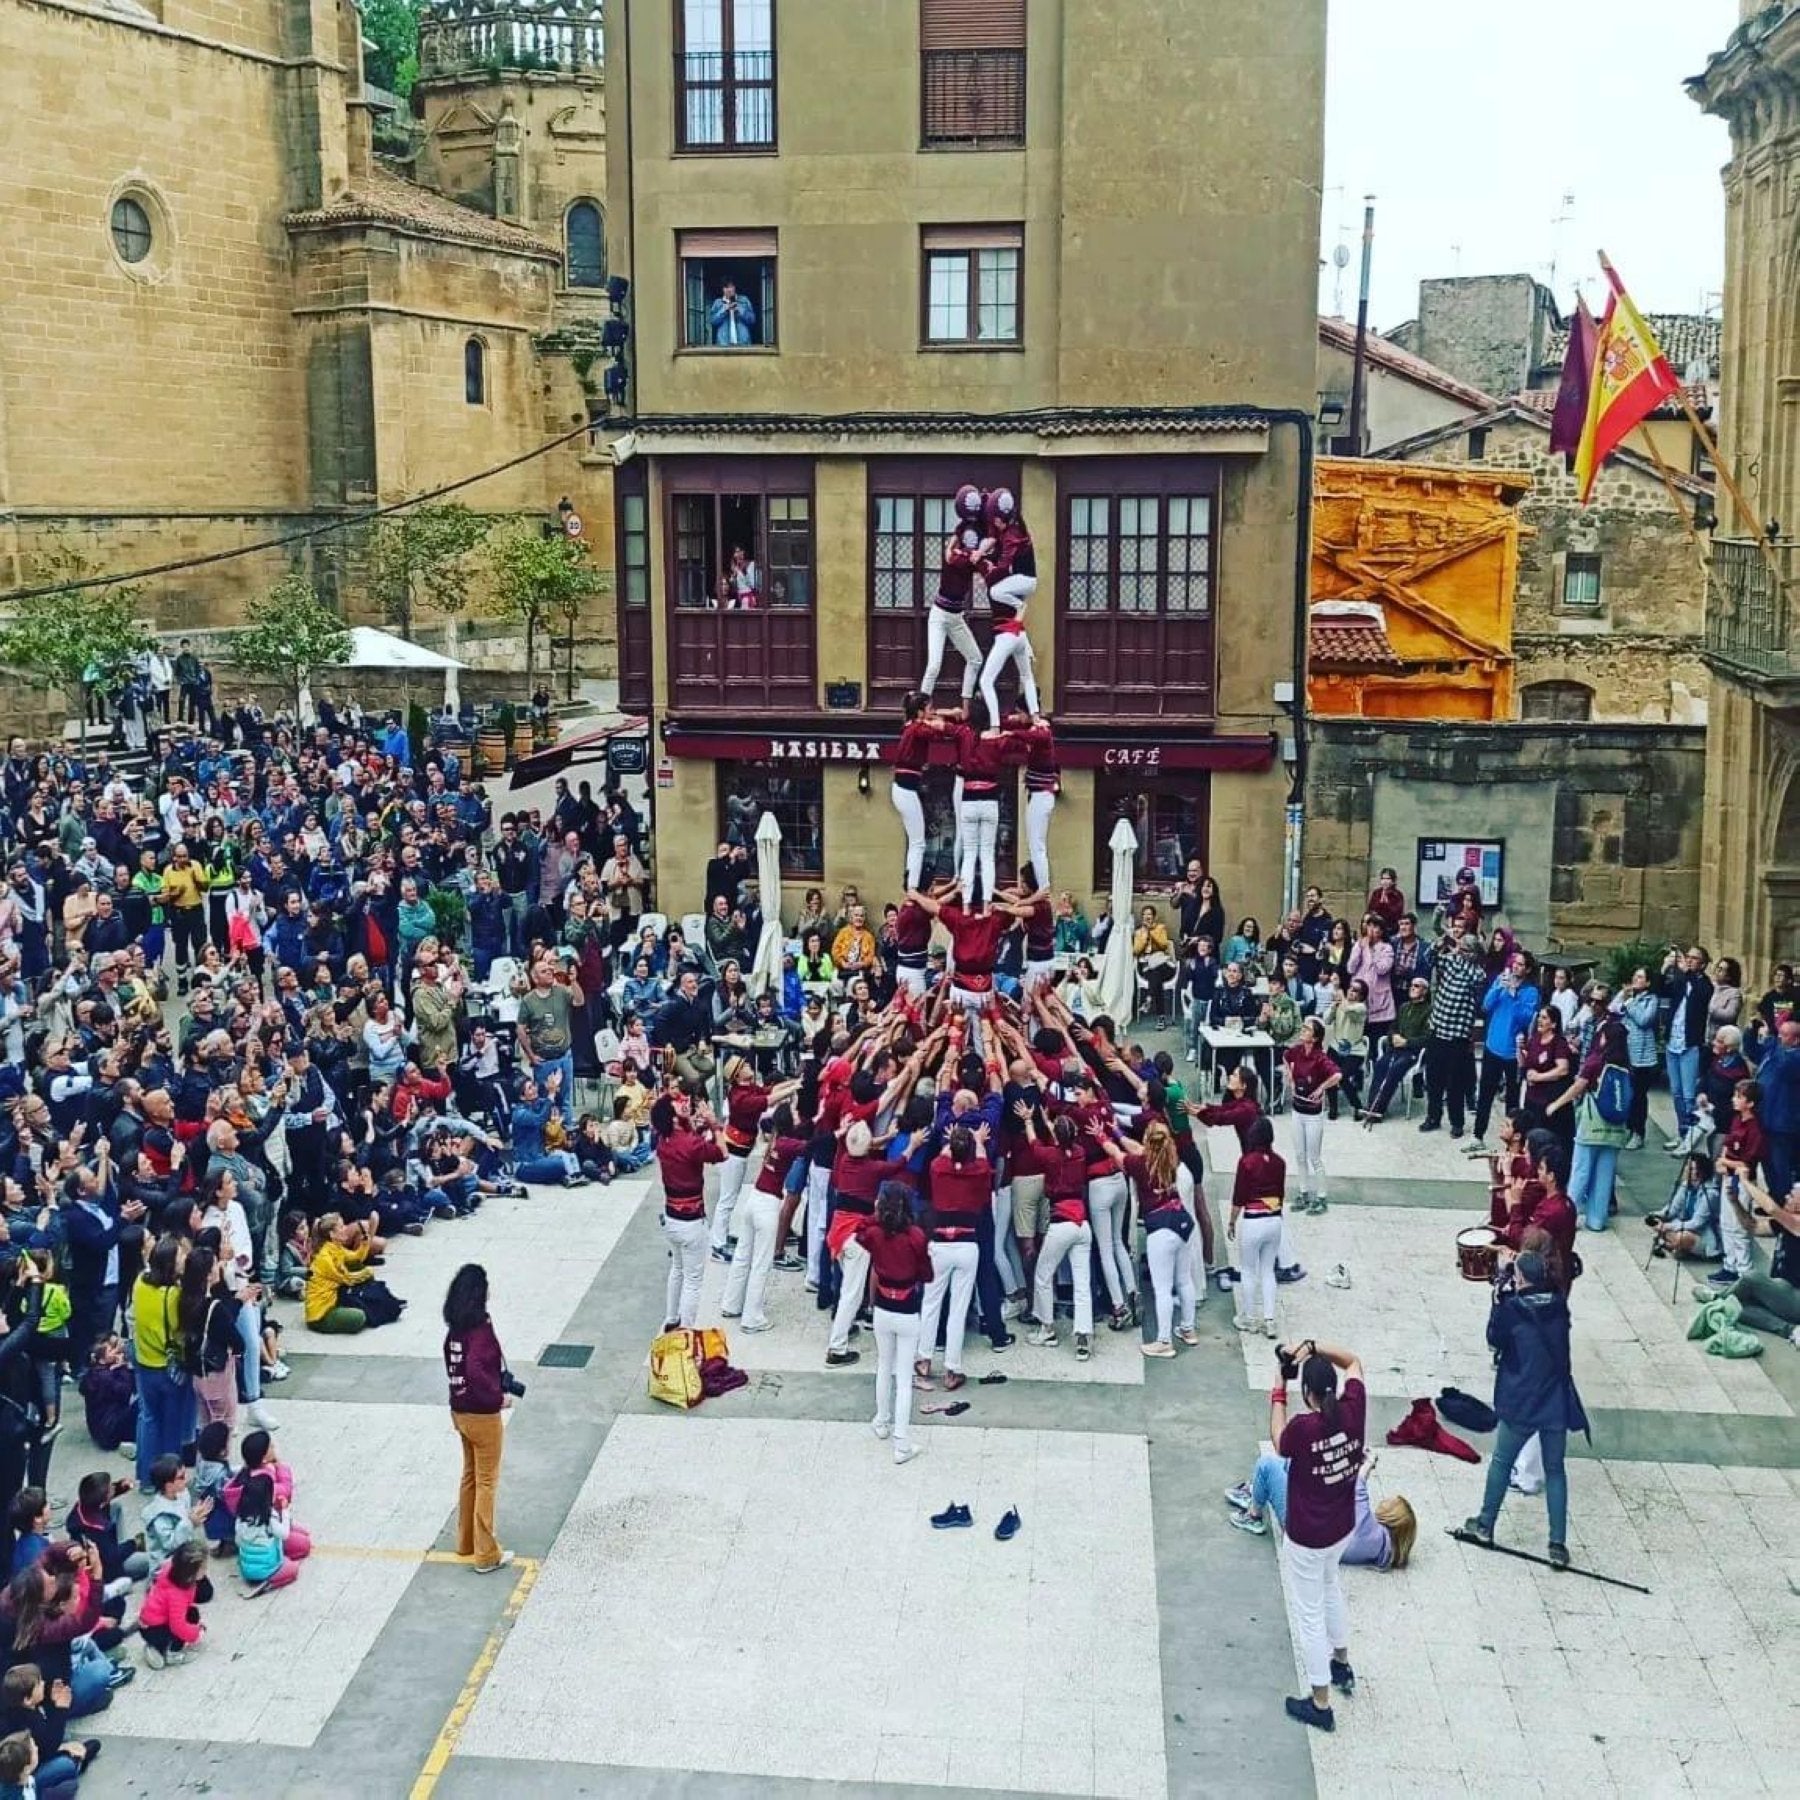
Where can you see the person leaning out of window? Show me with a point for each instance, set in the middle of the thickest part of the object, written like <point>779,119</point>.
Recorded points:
<point>481,1391</point>
<point>731,318</point>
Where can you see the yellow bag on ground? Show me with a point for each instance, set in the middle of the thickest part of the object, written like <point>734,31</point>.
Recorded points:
<point>675,1369</point>
<point>710,1341</point>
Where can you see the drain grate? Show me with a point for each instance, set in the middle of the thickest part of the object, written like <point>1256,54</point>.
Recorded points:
<point>565,1356</point>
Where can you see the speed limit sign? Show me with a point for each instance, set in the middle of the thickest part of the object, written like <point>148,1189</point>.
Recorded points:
<point>572,524</point>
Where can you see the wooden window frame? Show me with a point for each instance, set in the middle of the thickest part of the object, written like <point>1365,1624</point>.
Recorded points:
<point>728,86</point>
<point>704,246</point>
<point>1114,479</point>
<point>725,776</point>
<point>1187,786</point>
<point>764,478</point>
<point>943,240</point>
<point>1592,562</point>
<point>968,50</point>
<point>636,657</point>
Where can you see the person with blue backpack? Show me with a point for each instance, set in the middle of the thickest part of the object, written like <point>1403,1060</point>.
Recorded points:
<point>1600,1097</point>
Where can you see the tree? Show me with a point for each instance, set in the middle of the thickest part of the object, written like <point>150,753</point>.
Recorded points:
<point>291,636</point>
<point>392,28</point>
<point>73,638</point>
<point>422,556</point>
<point>536,579</point>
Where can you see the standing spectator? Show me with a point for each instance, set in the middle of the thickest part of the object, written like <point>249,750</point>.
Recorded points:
<point>1598,1138</point>
<point>1688,990</point>
<point>546,1040</point>
<point>626,884</point>
<point>187,679</point>
<point>731,318</point>
<point>479,1397</point>
<point>1637,1007</point>
<point>1778,1106</point>
<point>1372,963</point>
<point>1449,1053</point>
<point>1509,1007</point>
<point>1387,902</point>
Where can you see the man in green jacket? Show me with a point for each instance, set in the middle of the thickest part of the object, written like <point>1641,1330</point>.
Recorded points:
<point>1399,1049</point>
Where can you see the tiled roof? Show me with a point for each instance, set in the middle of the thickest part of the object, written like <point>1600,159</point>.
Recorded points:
<point>1340,334</point>
<point>1686,338</point>
<point>384,198</point>
<point>1059,421</point>
<point>1699,397</point>
<point>1349,643</point>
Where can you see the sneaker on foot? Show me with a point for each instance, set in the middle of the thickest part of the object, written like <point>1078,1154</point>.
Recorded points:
<point>790,1264</point>
<point>1158,1347</point>
<point>1343,1677</point>
<point>1084,1346</point>
<point>1721,1278</point>
<point>1187,1334</point>
<point>1559,1556</point>
<point>1044,1337</point>
<point>720,1254</point>
<point>1268,1328</point>
<point>1308,1712</point>
<point>904,1453</point>
<point>756,1325</point>
<point>1245,1520</point>
<point>1636,1141</point>
<point>1292,1273</point>
<point>1238,1496</point>
<point>881,1428</point>
<point>1429,1125</point>
<point>842,1359</point>
<point>504,1561</point>
<point>1478,1529</point>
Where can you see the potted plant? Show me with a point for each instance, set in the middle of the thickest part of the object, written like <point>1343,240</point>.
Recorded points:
<point>451,911</point>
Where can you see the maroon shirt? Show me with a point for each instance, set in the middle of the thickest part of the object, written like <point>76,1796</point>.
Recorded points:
<point>1240,1115</point>
<point>1043,775</point>
<point>912,934</point>
<point>777,1162</point>
<point>744,1108</point>
<point>1308,1071</point>
<point>913,752</point>
<point>899,1265</point>
<point>983,761</point>
<point>1387,904</point>
<point>960,1193</point>
<point>975,939</point>
<point>1260,1185</point>
<point>682,1157</point>
<point>1745,1142</point>
<point>473,1361</point>
<point>1322,1470</point>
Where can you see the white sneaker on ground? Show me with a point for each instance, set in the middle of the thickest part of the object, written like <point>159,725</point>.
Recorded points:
<point>881,1428</point>
<point>904,1453</point>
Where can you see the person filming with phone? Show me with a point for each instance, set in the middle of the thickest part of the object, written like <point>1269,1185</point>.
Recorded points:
<point>482,1390</point>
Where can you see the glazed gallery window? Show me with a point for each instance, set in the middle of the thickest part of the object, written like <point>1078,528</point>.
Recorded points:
<point>1167,813</point>
<point>972,284</point>
<point>909,535</point>
<point>1581,580</point>
<point>793,793</point>
<point>727,289</point>
<point>743,552</point>
<point>1142,553</point>
<point>725,74</point>
<point>584,248</point>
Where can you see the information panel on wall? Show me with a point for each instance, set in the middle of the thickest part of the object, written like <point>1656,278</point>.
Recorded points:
<point>1442,859</point>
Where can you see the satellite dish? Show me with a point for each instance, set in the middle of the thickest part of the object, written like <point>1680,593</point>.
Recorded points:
<point>1340,256</point>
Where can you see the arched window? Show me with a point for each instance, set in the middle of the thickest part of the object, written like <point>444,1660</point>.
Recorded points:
<point>1562,702</point>
<point>584,232</point>
<point>475,372</point>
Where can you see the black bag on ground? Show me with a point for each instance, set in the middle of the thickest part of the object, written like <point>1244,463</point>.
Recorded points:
<point>1465,1410</point>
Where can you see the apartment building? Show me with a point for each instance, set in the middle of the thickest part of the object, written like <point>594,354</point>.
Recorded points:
<point>878,250</point>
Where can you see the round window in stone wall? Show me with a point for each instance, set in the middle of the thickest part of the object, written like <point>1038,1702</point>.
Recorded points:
<point>131,232</point>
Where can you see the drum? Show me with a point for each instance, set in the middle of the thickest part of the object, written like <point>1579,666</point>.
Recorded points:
<point>1478,1253</point>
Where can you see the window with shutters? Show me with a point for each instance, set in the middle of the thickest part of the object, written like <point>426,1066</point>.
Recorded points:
<point>973,293</point>
<point>971,74</point>
<point>727,289</point>
<point>725,75</point>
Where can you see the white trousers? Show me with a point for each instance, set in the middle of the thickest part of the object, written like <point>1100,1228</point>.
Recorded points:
<point>686,1239</point>
<point>747,1280</point>
<point>1319,1610</point>
<point>1061,1241</point>
<point>818,1199</point>
<point>1258,1241</point>
<point>1107,1198</point>
<point>945,627</point>
<point>912,981</point>
<point>896,1343</point>
<point>1309,1143</point>
<point>952,1268</point>
<point>1038,808</point>
<point>1007,646</point>
<point>912,820</point>
<point>1734,1240</point>
<point>731,1183</point>
<point>1172,1277</point>
<point>855,1266</point>
<point>980,833</point>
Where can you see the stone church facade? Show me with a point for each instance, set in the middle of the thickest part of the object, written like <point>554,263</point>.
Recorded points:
<point>243,296</point>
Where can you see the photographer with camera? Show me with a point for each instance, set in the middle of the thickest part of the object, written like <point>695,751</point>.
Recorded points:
<point>1534,1394</point>
<point>482,1388</point>
<point>1324,1450</point>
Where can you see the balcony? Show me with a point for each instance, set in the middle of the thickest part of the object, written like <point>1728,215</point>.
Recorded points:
<point>458,36</point>
<point>1750,610</point>
<point>972,100</point>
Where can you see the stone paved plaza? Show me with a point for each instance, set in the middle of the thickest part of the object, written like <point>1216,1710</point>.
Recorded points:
<point>748,1599</point>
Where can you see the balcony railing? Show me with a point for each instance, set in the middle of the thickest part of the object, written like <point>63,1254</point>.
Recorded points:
<point>456,36</point>
<point>972,98</point>
<point>1750,608</point>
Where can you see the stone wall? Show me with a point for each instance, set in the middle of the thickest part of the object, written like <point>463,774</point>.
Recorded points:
<point>1601,823</point>
<point>1487,330</point>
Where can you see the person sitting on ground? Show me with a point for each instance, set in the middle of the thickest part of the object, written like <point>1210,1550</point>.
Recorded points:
<point>1771,1302</point>
<point>1689,1224</point>
<point>33,1707</point>
<point>342,1294</point>
<point>170,1619</point>
<point>1382,1537</point>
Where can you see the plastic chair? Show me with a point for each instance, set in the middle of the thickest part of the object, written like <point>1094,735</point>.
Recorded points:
<point>500,974</point>
<point>693,928</point>
<point>657,922</point>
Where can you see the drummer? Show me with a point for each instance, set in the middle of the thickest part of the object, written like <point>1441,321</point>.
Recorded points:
<point>1543,1203</point>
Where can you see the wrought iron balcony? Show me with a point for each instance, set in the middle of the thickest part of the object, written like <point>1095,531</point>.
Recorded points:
<point>1750,610</point>
<point>456,36</point>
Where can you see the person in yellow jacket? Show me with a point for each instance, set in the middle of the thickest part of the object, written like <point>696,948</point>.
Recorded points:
<point>184,886</point>
<point>218,869</point>
<point>339,1266</point>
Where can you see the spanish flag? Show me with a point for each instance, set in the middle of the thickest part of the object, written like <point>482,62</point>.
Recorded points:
<point>1631,379</point>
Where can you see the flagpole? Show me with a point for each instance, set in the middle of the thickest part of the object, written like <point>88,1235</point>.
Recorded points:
<point>1745,510</point>
<point>1668,481</point>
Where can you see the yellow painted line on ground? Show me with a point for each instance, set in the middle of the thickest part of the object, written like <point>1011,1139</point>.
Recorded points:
<point>445,1746</point>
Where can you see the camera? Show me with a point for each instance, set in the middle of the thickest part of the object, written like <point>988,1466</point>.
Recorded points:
<point>511,1384</point>
<point>1290,1369</point>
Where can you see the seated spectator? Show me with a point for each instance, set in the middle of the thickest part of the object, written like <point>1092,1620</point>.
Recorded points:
<point>853,950</point>
<point>342,1294</point>
<point>1689,1224</point>
<point>1382,1537</point>
<point>1155,958</point>
<point>818,973</point>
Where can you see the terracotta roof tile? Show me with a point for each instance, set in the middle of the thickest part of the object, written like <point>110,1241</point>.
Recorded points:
<point>1686,338</point>
<point>384,198</point>
<point>1350,644</point>
<point>1340,334</point>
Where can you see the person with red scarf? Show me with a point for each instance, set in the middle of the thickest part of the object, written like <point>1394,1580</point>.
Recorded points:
<point>682,1156</point>
<point>1010,570</point>
<point>924,726</point>
<point>1043,782</point>
<point>898,1269</point>
<point>1061,1158</point>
